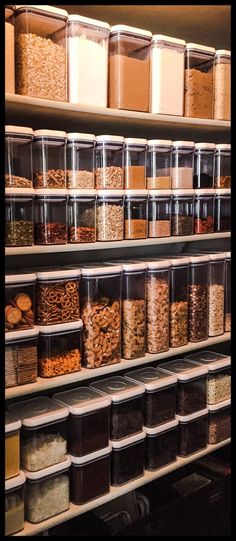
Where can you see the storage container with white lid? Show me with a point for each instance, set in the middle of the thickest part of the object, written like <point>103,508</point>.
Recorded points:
<point>47,492</point>
<point>57,295</point>
<point>129,68</point>
<point>12,445</point>
<point>128,459</point>
<point>198,298</point>
<point>40,49</point>
<point>222,210</point>
<point>222,85</point>
<point>100,294</point>
<point>136,217</point>
<point>109,162</point>
<point>19,216</point>
<point>228,292</point>
<point>216,294</point>
<point>204,165</point>
<point>179,276</point>
<point>90,476</point>
<point>135,163</point>
<point>159,213</point>
<point>158,305</point>
<point>87,60</point>
<point>133,309</point>
<point>9,49</point>
<point>218,377</point>
<point>50,224</point>
<point>159,164</point>
<point>167,75</point>
<point>182,165</point>
<point>160,394</point>
<point>59,349</point>
<point>110,215</point>
<point>182,214</point>
<point>19,301</point>
<point>14,504</point>
<point>204,207</point>
<point>127,407</point>
<point>18,157</point>
<point>223,166</point>
<point>88,422</point>
<point>219,422</point>
<point>161,445</point>
<point>192,432</point>
<point>43,432</point>
<point>191,386</point>
<point>81,216</point>
<point>21,362</point>
<point>198,81</point>
<point>49,151</point>
<point>80,155</point>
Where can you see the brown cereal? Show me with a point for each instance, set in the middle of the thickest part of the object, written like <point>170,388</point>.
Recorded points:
<point>101,333</point>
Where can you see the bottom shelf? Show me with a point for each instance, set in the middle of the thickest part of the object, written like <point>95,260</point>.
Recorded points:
<point>115,492</point>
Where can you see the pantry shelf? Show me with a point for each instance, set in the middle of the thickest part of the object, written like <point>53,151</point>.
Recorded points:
<point>116,492</point>
<point>43,384</point>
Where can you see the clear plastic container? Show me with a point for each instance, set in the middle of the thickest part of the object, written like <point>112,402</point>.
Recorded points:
<point>21,362</point>
<point>223,166</point>
<point>49,151</point>
<point>109,166</point>
<point>14,504</point>
<point>135,163</point>
<point>192,433</point>
<point>59,349</point>
<point>133,310</point>
<point>127,459</point>
<point>167,75</point>
<point>159,154</point>
<point>182,218</point>
<point>158,306</point>
<point>9,49</point>
<point>161,445</point>
<point>222,210</point>
<point>81,216</point>
<point>19,212</point>
<point>159,213</point>
<point>182,168</point>
<point>218,377</point>
<point>19,301</point>
<point>43,432</point>
<point>100,289</point>
<point>198,81</point>
<point>57,295</point>
<point>80,157</point>
<point>219,427</point>
<point>110,215</point>
<point>50,216</point>
<point>222,85</point>
<point>191,387</point>
<point>12,445</point>
<point>40,49</point>
<point>198,298</point>
<point>179,276</point>
<point>228,292</point>
<point>204,211</point>
<point>89,420</point>
<point>18,157</point>
<point>87,60</point>
<point>216,294</point>
<point>136,217</point>
<point>204,165</point>
<point>90,476</point>
<point>129,68</point>
<point>127,407</point>
<point>160,394</point>
<point>47,492</point>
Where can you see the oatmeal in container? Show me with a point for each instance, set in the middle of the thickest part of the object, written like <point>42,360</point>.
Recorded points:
<point>18,157</point>
<point>9,49</point>
<point>216,294</point>
<point>109,162</point>
<point>110,215</point>
<point>80,156</point>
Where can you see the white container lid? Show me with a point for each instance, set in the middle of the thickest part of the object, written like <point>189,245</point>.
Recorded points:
<point>202,48</point>
<point>74,136</point>
<point>159,193</point>
<point>131,30</point>
<point>50,133</point>
<point>110,139</point>
<point>22,130</point>
<point>95,270</point>
<point>168,39</point>
<point>86,20</point>
<point>81,460</point>
<point>61,327</point>
<point>82,192</point>
<point>51,192</point>
<point>119,388</point>
<point>192,416</point>
<point>177,193</point>
<point>120,444</point>
<point>9,10</point>
<point>159,142</point>
<point>14,336</point>
<point>135,141</point>
<point>47,9</point>
<point>60,273</point>
<point>161,428</point>
<point>184,369</point>
<point>110,193</point>
<point>223,52</point>
<point>151,378</point>
<point>228,255</point>
<point>204,191</point>
<point>131,267</point>
<point>20,278</point>
<point>210,146</point>
<point>188,144</point>
<point>16,192</point>
<point>223,191</point>
<point>56,468</point>
<point>15,482</point>
<point>214,361</point>
<point>199,258</point>
<point>12,423</point>
<point>158,264</point>
<point>39,411</point>
<point>223,146</point>
<point>216,256</point>
<point>177,261</point>
<point>82,400</point>
<point>131,193</point>
<point>220,405</point>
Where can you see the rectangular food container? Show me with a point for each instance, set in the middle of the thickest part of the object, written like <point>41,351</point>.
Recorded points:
<point>198,81</point>
<point>9,49</point>
<point>19,216</point>
<point>182,168</point>
<point>127,405</point>
<point>159,159</point>
<point>19,301</point>
<point>160,394</point>
<point>228,292</point>
<point>21,357</point>
<point>59,349</point>
<point>204,210</point>
<point>110,215</point>
<point>191,386</point>
<point>218,377</point>
<point>88,422</point>
<point>136,217</point>
<point>158,305</point>
<point>216,294</point>
<point>81,217</point>
<point>109,162</point>
<point>198,298</point>
<point>204,165</point>
<point>43,432</point>
<point>80,161</point>
<point>159,213</point>
<point>133,310</point>
<point>179,277</point>
<point>219,424</point>
<point>12,445</point>
<point>222,210</point>
<point>90,476</point>
<point>192,432</point>
<point>14,504</point>
<point>223,166</point>
<point>57,295</point>
<point>135,163</point>
<point>127,459</point>
<point>161,445</point>
<point>49,165</point>
<point>222,85</point>
<point>50,220</point>
<point>18,157</point>
<point>182,216</point>
<point>47,492</point>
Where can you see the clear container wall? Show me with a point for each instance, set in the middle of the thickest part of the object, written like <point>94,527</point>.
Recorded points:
<point>9,52</point>
<point>203,214</point>
<point>216,298</point>
<point>222,88</point>
<point>50,220</point>
<point>192,436</point>
<point>167,78</point>
<point>219,428</point>
<point>160,406</point>
<point>21,362</point>
<point>219,385</point>
<point>222,169</point>
<point>47,497</point>
<point>18,161</point>
<point>191,395</point>
<point>109,167</point>
<point>198,84</point>
<point>14,510</point>
<point>161,450</point>
<point>135,167</point>
<point>182,168</point>
<point>179,305</point>
<point>136,223</point>
<point>127,418</point>
<point>90,480</point>
<point>133,314</point>
<point>182,221</point>
<point>12,454</point>
<point>43,446</point>
<point>127,463</point>
<point>49,162</point>
<point>158,168</point>
<point>81,219</point>
<point>204,168</point>
<point>159,216</point>
<point>89,432</point>
<point>198,302</point>
<point>158,309</point>
<point>59,353</point>
<point>57,300</point>
<point>19,225</point>
<point>109,218</point>
<point>228,295</point>
<point>19,306</point>
<point>222,213</point>
<point>80,165</point>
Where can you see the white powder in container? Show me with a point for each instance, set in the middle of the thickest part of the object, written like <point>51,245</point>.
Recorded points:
<point>181,178</point>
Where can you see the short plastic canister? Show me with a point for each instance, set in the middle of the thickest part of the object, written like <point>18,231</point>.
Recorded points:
<point>80,156</point>
<point>90,476</point>
<point>19,301</point>
<point>21,360</point>
<point>192,432</point>
<point>135,163</point>
<point>12,445</point>
<point>18,157</point>
<point>161,445</point>
<point>60,349</point>
<point>218,377</point>
<point>14,504</point>
<point>191,386</point>
<point>127,459</point>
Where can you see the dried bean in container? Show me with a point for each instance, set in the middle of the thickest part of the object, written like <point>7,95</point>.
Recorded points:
<point>198,317</point>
